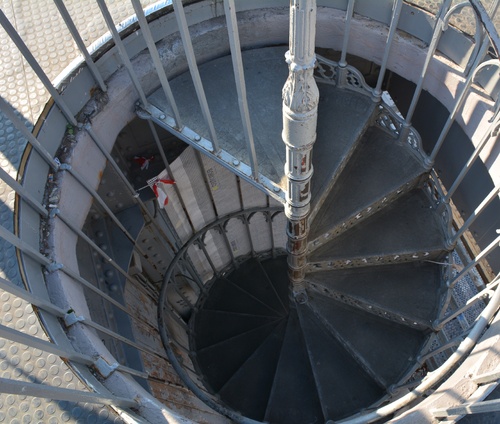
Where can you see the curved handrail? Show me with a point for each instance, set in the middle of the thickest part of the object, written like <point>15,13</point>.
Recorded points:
<point>434,378</point>
<point>168,340</point>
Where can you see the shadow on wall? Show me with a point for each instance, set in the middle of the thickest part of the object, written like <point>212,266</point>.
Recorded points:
<point>456,150</point>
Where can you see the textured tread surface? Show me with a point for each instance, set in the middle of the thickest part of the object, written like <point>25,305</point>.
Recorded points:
<point>343,386</point>
<point>371,338</point>
<point>412,288</point>
<point>247,391</point>
<point>379,166</point>
<point>219,362</point>
<point>294,398</point>
<point>406,226</point>
<point>336,138</point>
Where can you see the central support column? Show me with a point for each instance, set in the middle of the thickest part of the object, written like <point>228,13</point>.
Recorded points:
<point>300,112</point>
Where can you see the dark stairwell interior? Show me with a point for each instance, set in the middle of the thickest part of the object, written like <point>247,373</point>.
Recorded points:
<point>374,281</point>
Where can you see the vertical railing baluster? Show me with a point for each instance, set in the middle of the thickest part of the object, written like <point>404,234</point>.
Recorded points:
<point>32,140</point>
<point>234,44</point>
<point>493,131</point>
<point>193,69</point>
<point>202,246</point>
<point>459,102</point>
<point>71,119</point>
<point>396,13</point>
<point>153,51</point>
<point>23,193</point>
<point>121,50</point>
<point>482,206</point>
<point>347,31</point>
<point>485,252</point>
<point>79,42</point>
<point>222,232</point>
<point>438,29</point>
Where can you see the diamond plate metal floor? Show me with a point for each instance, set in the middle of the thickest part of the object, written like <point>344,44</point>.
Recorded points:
<point>44,32</point>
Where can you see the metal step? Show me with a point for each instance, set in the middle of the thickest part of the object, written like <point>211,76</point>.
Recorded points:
<point>277,271</point>
<point>336,138</point>
<point>383,348</point>
<point>380,170</point>
<point>343,385</point>
<point>248,390</point>
<point>253,279</point>
<point>212,327</point>
<point>411,290</point>
<point>294,399</point>
<point>226,296</point>
<point>264,106</point>
<point>408,230</point>
<point>218,363</point>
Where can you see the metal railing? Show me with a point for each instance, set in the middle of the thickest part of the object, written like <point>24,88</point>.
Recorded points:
<point>485,37</point>
<point>174,323</point>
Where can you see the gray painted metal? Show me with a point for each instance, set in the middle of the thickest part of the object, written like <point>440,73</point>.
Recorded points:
<point>234,43</point>
<point>482,206</point>
<point>468,408</point>
<point>487,377</point>
<point>492,133</point>
<point>476,67</point>
<point>26,339</point>
<point>224,158</point>
<point>121,48</point>
<point>485,252</point>
<point>56,393</point>
<point>13,34</point>
<point>193,69</point>
<point>347,31</point>
<point>153,51</point>
<point>430,53</point>
<point>396,13</point>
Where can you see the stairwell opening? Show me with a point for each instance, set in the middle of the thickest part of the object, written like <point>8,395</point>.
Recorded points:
<point>147,292</point>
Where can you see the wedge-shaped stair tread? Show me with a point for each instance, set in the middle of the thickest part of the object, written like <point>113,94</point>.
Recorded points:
<point>409,289</point>
<point>378,168</point>
<point>408,225</point>
<point>253,279</point>
<point>294,399</point>
<point>248,390</point>
<point>226,296</point>
<point>336,138</point>
<point>219,362</point>
<point>264,103</point>
<point>211,327</point>
<point>277,271</point>
<point>384,347</point>
<point>343,385</point>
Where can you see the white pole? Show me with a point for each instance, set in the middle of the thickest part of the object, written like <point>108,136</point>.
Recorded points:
<point>300,112</point>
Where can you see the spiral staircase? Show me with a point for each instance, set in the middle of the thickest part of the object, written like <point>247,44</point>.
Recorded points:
<point>374,279</point>
<point>185,313</point>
